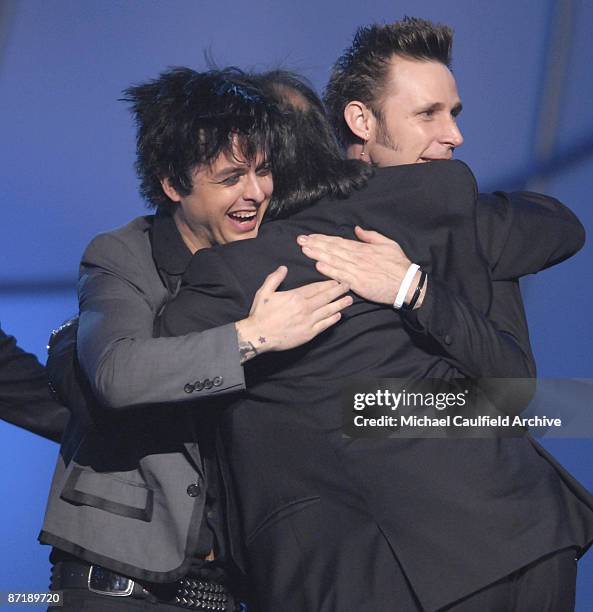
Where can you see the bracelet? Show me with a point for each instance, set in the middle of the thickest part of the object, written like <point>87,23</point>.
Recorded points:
<point>417,293</point>
<point>405,286</point>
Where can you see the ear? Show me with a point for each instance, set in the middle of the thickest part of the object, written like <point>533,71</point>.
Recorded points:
<point>359,119</point>
<point>169,190</point>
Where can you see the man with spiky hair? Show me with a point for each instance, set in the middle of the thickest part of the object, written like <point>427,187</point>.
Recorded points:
<point>393,100</point>
<point>336,524</point>
<point>382,73</point>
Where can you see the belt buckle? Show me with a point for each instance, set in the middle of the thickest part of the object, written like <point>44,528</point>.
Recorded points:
<point>106,582</point>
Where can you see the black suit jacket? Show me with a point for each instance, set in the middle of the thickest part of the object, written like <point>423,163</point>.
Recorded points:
<point>25,398</point>
<point>459,514</point>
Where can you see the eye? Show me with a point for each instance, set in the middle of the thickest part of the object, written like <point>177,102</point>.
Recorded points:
<point>264,170</point>
<point>233,179</point>
<point>428,114</point>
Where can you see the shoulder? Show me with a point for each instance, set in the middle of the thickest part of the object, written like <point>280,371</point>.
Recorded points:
<point>131,241</point>
<point>124,253</point>
<point>131,236</point>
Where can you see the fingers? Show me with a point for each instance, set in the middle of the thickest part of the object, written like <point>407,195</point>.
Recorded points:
<point>312,289</point>
<point>342,258</point>
<point>371,237</point>
<point>341,274</point>
<point>328,295</point>
<point>328,310</point>
<point>273,280</point>
<point>320,293</point>
<point>330,244</point>
<point>324,324</point>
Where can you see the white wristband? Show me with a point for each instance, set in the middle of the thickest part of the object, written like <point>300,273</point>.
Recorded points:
<point>405,286</point>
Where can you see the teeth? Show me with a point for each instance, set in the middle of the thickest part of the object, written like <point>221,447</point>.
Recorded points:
<point>243,215</point>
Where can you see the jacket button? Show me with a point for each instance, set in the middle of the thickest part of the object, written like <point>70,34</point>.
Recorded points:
<point>207,384</point>
<point>188,388</point>
<point>198,385</point>
<point>448,340</point>
<point>193,490</point>
<point>217,381</point>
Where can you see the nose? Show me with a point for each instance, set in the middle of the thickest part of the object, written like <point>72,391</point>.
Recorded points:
<point>255,188</point>
<point>452,134</point>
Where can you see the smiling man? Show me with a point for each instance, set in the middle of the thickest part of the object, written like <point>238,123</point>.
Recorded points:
<point>227,202</point>
<point>392,97</point>
<point>393,101</point>
<point>135,513</point>
<point>418,120</point>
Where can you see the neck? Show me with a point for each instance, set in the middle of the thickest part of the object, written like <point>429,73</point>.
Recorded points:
<point>194,242</point>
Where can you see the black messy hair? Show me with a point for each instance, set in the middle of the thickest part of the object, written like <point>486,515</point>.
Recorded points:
<point>185,119</point>
<point>306,159</point>
<point>360,72</point>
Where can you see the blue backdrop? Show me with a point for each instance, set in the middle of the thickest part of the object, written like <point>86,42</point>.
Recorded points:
<point>524,73</point>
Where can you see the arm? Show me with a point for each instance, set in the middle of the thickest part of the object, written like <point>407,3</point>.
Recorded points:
<point>519,233</point>
<point>524,232</point>
<point>495,345</point>
<point>478,344</point>
<point>232,299</point>
<point>25,398</point>
<point>120,297</point>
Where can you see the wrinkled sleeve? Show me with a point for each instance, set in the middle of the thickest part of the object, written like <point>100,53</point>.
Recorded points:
<point>123,361</point>
<point>495,344</point>
<point>525,232</point>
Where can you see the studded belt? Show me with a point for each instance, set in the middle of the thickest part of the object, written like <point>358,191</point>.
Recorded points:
<point>190,593</point>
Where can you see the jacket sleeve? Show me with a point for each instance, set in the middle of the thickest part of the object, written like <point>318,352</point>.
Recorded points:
<point>25,398</point>
<point>123,361</point>
<point>519,233</point>
<point>524,232</point>
<point>494,345</point>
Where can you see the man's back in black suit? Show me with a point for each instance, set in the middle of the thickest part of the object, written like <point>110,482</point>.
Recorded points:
<point>455,515</point>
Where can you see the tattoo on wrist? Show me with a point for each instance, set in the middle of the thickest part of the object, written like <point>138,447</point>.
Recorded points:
<point>246,351</point>
<point>261,340</point>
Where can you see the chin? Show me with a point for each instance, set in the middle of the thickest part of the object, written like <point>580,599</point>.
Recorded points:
<point>244,236</point>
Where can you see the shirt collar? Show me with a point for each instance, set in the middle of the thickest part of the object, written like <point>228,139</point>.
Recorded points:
<point>169,251</point>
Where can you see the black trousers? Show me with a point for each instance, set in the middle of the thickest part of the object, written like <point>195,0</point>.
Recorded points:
<point>318,560</point>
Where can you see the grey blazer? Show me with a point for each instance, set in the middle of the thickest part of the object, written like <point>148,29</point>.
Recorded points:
<point>120,495</point>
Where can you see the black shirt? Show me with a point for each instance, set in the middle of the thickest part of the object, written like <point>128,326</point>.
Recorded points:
<point>172,257</point>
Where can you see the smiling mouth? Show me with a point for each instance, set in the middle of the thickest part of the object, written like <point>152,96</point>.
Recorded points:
<point>243,216</point>
<point>243,220</point>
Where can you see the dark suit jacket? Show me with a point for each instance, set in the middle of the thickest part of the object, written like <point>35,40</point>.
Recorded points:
<point>25,398</point>
<point>459,514</point>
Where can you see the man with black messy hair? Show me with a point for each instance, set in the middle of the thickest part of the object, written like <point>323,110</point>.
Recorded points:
<point>135,513</point>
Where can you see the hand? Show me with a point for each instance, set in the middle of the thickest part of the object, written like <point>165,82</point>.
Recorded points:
<point>281,320</point>
<point>374,267</point>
